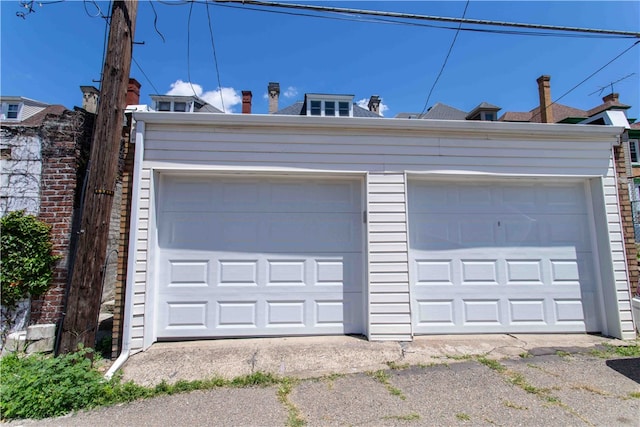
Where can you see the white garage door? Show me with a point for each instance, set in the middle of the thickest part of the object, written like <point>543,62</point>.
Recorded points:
<point>259,257</point>
<point>501,257</point>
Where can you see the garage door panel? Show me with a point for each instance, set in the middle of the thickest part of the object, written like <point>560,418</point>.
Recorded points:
<point>263,259</point>
<point>523,268</point>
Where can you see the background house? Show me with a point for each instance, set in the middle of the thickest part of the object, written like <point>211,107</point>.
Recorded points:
<point>44,153</point>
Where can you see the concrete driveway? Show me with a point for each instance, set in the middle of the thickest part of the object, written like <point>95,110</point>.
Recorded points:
<point>479,380</point>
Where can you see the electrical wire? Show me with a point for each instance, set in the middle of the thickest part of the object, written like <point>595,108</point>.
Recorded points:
<point>587,78</point>
<point>189,49</point>
<point>144,74</point>
<point>215,56</point>
<point>95,4</point>
<point>155,21</point>
<point>377,20</point>
<point>453,42</point>
<point>348,11</point>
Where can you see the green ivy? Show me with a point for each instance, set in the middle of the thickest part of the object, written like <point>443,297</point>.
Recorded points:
<point>26,255</point>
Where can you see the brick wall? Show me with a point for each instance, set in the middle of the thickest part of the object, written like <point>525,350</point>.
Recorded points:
<point>627,218</point>
<point>65,141</point>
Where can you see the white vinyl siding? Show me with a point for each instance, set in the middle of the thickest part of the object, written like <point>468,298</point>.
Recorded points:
<point>332,146</point>
<point>389,312</point>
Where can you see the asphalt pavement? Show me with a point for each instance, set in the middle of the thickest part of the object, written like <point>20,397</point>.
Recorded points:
<point>449,382</point>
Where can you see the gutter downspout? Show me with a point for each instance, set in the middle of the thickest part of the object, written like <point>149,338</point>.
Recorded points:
<point>131,262</point>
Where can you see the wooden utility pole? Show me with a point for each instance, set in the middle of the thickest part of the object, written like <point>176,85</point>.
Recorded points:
<point>85,292</point>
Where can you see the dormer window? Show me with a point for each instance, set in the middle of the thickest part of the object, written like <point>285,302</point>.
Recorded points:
<point>180,106</point>
<point>316,108</point>
<point>12,111</point>
<point>329,105</point>
<point>164,106</point>
<point>344,109</point>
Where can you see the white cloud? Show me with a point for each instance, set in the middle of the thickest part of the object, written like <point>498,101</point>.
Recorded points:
<point>290,92</point>
<point>230,96</point>
<point>364,103</point>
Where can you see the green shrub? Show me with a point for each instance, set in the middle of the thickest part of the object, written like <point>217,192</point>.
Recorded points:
<point>27,261</point>
<point>37,386</point>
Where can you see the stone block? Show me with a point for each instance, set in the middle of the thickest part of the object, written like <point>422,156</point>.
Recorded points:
<point>38,332</point>
<point>15,342</point>
<point>44,345</point>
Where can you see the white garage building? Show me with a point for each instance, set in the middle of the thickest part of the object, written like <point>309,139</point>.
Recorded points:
<point>255,225</point>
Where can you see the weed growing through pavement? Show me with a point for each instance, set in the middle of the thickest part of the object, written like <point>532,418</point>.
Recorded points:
<point>409,417</point>
<point>525,355</point>
<point>607,351</point>
<point>462,416</point>
<point>509,404</point>
<point>590,389</point>
<point>561,353</point>
<point>294,418</point>
<point>383,378</point>
<point>397,366</point>
<point>492,364</point>
<point>635,394</point>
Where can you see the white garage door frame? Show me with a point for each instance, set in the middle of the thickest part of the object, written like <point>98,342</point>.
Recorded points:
<point>151,298</point>
<point>586,183</point>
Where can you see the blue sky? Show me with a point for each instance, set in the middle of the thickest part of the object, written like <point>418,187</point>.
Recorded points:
<point>48,55</point>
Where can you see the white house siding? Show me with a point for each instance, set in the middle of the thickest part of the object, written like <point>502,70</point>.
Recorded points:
<point>618,253</point>
<point>385,150</point>
<point>389,311</point>
<point>20,173</point>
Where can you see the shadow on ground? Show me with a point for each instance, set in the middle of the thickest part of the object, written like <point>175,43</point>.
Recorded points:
<point>630,368</point>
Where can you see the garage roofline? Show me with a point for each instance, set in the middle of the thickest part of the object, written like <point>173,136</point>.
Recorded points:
<point>376,125</point>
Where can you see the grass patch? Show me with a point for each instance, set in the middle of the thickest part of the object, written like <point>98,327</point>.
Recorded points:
<point>561,353</point>
<point>608,351</point>
<point>38,386</point>
<point>294,417</point>
<point>382,377</point>
<point>459,356</point>
<point>492,364</point>
<point>462,416</point>
<point>525,355</point>
<point>590,389</point>
<point>409,417</point>
<point>397,366</point>
<point>510,404</point>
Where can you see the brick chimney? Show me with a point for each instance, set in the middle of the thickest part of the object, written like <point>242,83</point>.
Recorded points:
<point>613,97</point>
<point>133,92</point>
<point>246,101</point>
<point>374,104</point>
<point>90,96</point>
<point>544,91</point>
<point>273,89</point>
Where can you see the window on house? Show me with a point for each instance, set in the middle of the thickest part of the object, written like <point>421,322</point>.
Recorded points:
<point>633,150</point>
<point>489,116</point>
<point>179,106</point>
<point>12,111</point>
<point>329,108</point>
<point>343,109</point>
<point>316,108</point>
<point>164,106</point>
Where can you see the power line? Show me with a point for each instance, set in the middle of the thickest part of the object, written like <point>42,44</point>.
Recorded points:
<point>453,42</point>
<point>377,20</point>
<point>155,21</point>
<point>215,56</point>
<point>145,75</point>
<point>587,78</point>
<point>431,18</point>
